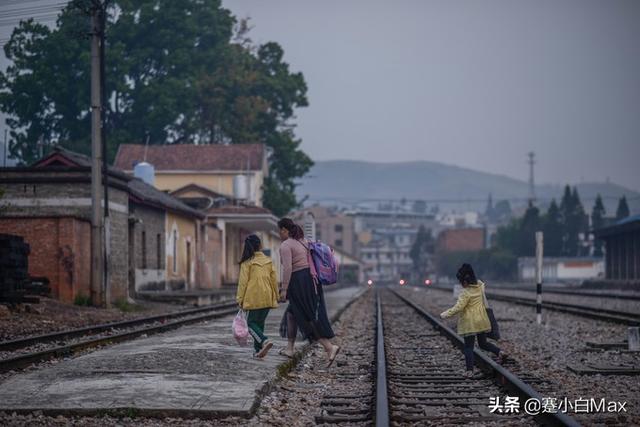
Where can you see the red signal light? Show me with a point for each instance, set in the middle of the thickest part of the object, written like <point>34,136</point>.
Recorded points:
<point>369,282</point>
<point>402,282</point>
<point>427,282</point>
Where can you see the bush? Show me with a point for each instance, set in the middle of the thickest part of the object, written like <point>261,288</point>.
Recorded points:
<point>82,300</point>
<point>125,306</point>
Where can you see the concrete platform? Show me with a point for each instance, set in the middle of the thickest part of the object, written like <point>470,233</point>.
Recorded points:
<point>196,370</point>
<point>199,297</point>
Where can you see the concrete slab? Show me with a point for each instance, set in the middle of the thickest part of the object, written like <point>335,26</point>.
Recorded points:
<point>195,370</point>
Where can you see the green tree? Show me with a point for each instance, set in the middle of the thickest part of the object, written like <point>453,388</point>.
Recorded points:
<point>552,229</point>
<point>527,233</point>
<point>502,211</point>
<point>177,71</point>
<point>597,221</point>
<point>574,222</point>
<point>580,225</point>
<point>623,209</point>
<point>508,236</point>
<point>422,250</point>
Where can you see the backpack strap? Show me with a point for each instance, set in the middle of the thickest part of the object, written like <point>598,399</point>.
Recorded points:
<point>312,266</point>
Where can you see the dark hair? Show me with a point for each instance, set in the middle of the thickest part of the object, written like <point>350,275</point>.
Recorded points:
<point>466,275</point>
<point>295,231</point>
<point>251,246</point>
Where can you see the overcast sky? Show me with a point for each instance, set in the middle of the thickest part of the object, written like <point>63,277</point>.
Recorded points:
<point>471,83</point>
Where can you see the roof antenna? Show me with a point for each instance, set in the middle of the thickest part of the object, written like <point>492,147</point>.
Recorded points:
<point>146,146</point>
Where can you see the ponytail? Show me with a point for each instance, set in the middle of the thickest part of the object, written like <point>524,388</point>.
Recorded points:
<point>251,246</point>
<point>295,231</point>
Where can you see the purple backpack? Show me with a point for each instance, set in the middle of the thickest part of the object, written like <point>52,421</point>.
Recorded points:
<point>325,263</point>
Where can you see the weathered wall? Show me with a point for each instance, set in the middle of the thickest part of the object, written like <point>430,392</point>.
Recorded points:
<point>60,251</point>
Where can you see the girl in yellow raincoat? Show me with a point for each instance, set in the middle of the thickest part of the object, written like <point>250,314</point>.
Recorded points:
<point>257,292</point>
<point>473,319</point>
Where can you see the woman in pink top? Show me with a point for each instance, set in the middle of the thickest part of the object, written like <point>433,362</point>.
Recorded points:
<point>307,310</point>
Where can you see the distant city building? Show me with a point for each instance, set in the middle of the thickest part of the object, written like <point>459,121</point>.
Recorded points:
<point>334,228</point>
<point>452,219</point>
<point>460,239</point>
<point>384,240</point>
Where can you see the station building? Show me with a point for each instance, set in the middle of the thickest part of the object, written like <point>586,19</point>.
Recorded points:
<point>49,205</point>
<point>622,248</point>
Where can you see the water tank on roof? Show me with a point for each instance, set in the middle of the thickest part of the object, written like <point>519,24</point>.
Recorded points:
<point>145,172</point>
<point>241,187</point>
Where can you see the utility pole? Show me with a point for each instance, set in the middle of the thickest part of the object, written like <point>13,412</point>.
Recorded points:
<point>539,266</point>
<point>6,148</point>
<point>105,166</point>
<point>98,284</point>
<point>532,188</point>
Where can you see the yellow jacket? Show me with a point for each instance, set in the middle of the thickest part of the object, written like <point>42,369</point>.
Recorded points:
<point>473,317</point>
<point>257,286</point>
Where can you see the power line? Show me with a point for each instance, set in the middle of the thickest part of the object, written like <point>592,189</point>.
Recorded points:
<point>39,19</point>
<point>444,200</point>
<point>27,11</point>
<point>19,2</point>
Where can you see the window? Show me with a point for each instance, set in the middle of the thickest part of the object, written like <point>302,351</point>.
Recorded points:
<point>175,251</point>
<point>144,250</point>
<point>339,243</point>
<point>338,228</point>
<point>159,251</point>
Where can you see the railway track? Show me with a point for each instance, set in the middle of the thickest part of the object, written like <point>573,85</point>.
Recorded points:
<point>424,381</point>
<point>406,368</point>
<point>576,293</point>
<point>613,316</point>
<point>20,353</point>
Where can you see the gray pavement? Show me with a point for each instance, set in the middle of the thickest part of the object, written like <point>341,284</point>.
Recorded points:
<point>195,370</point>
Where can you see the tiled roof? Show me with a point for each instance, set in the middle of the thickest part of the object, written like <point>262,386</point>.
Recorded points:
<point>63,157</point>
<point>241,209</point>
<point>198,188</point>
<point>149,194</point>
<point>189,157</point>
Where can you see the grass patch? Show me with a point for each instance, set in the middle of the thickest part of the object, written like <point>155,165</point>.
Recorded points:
<point>82,300</point>
<point>125,306</point>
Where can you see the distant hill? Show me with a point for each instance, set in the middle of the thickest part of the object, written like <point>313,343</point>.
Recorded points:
<point>448,186</point>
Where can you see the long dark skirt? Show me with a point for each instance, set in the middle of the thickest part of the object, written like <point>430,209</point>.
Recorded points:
<point>307,311</point>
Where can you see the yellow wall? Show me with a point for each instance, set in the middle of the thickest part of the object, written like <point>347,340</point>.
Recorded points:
<point>272,242</point>
<point>221,183</point>
<point>185,230</point>
<point>235,244</point>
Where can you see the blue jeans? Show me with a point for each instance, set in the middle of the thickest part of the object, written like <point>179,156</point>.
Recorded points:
<point>482,343</point>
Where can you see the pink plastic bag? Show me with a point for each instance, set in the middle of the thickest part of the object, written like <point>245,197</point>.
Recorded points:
<point>240,328</point>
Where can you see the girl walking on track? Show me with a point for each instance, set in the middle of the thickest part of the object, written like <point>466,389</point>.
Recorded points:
<point>474,320</point>
<point>257,292</point>
<point>307,309</point>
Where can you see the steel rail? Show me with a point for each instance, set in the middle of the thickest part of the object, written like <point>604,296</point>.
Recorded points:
<point>382,399</point>
<point>501,375</point>
<point>94,329</point>
<point>613,316</point>
<point>549,290</point>
<point>607,315</point>
<point>24,360</point>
